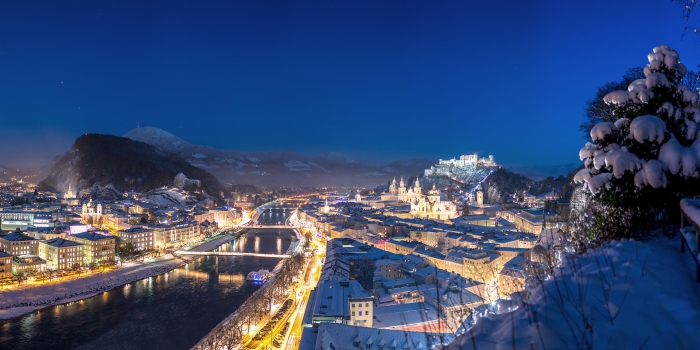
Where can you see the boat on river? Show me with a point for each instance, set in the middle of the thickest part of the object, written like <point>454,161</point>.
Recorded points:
<point>259,276</point>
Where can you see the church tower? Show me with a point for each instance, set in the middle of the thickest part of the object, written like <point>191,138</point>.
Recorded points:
<point>479,196</point>
<point>434,195</point>
<point>392,187</point>
<point>91,207</point>
<point>326,208</point>
<point>402,187</point>
<point>416,188</point>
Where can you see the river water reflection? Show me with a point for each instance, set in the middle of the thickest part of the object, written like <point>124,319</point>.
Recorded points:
<point>169,311</point>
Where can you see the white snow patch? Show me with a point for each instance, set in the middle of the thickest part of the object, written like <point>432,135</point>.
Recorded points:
<point>636,84</point>
<point>295,165</point>
<point>599,181</point>
<point>313,164</point>
<point>617,97</point>
<point>689,96</point>
<point>254,159</point>
<point>691,207</point>
<point>656,79</point>
<point>652,174</point>
<point>587,151</point>
<point>601,130</point>
<point>163,197</point>
<point>678,159</point>
<point>670,110</point>
<point>648,128</point>
<point>622,161</point>
<point>199,165</point>
<point>582,175</point>
<point>648,289</point>
<point>237,164</point>
<point>599,159</point>
<point>199,156</point>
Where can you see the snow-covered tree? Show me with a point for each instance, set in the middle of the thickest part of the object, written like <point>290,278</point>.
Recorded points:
<point>649,156</point>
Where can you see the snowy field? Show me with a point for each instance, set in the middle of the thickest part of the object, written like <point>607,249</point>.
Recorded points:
<point>18,301</point>
<point>625,295</point>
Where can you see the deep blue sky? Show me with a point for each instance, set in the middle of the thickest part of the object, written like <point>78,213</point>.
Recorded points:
<point>378,81</point>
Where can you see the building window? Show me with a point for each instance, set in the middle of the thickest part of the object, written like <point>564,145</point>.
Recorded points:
<point>366,304</point>
<point>353,313</point>
<point>360,313</point>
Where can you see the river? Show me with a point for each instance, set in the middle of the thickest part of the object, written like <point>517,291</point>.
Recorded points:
<point>170,311</point>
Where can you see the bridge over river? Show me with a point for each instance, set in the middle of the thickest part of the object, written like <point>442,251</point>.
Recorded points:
<point>270,226</point>
<point>263,255</point>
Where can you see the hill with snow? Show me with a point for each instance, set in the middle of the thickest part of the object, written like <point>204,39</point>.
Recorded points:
<point>165,196</point>
<point>278,168</point>
<point>624,295</point>
<point>105,166</point>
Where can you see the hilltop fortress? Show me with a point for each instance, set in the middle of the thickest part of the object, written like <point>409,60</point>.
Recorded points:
<point>447,167</point>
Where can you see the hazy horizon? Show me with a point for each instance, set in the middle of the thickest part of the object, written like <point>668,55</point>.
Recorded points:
<point>55,143</point>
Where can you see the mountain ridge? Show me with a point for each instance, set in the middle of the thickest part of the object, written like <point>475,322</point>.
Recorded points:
<point>107,165</point>
<point>278,168</point>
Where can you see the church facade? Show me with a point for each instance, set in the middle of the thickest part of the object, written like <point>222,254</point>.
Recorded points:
<point>91,210</point>
<point>432,205</point>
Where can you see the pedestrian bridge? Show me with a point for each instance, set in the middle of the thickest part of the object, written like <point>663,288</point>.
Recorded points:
<point>186,252</point>
<point>277,208</point>
<point>270,226</point>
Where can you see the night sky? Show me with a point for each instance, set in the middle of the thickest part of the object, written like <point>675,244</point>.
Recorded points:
<point>379,82</point>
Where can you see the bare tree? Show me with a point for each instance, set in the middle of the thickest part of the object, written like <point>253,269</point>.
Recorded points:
<point>597,110</point>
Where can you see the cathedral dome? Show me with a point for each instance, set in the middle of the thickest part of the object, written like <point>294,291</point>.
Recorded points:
<point>434,192</point>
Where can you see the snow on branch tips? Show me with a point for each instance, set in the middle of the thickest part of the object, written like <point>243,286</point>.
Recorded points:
<point>599,181</point>
<point>601,130</point>
<point>654,139</point>
<point>648,128</point>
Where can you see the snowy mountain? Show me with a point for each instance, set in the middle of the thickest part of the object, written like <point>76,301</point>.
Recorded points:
<point>105,166</point>
<point>278,168</point>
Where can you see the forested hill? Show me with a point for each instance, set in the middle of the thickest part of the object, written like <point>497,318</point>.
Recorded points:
<point>97,162</point>
<point>502,185</point>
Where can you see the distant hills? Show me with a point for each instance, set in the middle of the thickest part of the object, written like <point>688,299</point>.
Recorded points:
<point>278,168</point>
<point>540,172</point>
<point>28,175</point>
<point>106,166</point>
<point>147,158</point>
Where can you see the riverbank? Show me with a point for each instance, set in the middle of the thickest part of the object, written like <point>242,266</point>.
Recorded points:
<point>19,301</point>
<point>214,243</point>
<point>22,300</point>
